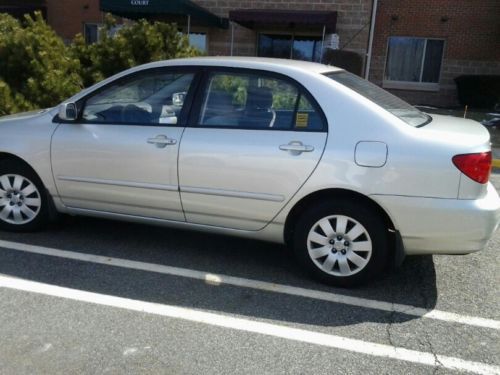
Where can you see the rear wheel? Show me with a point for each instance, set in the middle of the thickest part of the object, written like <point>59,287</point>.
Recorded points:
<point>23,201</point>
<point>341,243</point>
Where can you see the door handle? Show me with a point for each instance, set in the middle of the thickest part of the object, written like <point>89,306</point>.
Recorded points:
<point>296,147</point>
<point>162,141</point>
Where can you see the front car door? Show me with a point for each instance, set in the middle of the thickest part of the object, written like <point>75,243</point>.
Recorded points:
<point>252,142</point>
<point>121,156</point>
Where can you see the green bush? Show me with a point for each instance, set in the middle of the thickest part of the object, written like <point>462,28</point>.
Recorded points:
<point>36,69</point>
<point>135,44</point>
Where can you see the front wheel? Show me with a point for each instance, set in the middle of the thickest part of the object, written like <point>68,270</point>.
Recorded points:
<point>23,202</point>
<point>341,243</point>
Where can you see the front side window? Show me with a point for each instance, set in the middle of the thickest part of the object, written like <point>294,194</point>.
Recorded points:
<point>391,103</point>
<point>414,60</point>
<point>253,101</point>
<point>148,98</point>
<point>290,47</point>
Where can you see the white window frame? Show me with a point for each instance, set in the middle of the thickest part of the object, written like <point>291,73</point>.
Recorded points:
<point>409,85</point>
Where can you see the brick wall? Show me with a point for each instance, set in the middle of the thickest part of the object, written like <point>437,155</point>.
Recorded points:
<point>67,17</point>
<point>352,22</point>
<point>470,28</point>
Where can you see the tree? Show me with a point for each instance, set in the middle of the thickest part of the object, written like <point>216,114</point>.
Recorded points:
<point>36,69</point>
<point>138,43</point>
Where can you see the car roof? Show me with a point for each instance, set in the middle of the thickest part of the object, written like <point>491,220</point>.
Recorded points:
<point>264,63</point>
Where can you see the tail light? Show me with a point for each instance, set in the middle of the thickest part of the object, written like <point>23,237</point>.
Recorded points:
<point>475,166</point>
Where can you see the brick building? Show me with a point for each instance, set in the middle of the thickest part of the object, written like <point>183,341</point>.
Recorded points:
<point>418,48</point>
<point>431,43</point>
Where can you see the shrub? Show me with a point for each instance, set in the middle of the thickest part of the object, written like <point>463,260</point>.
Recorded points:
<point>134,44</point>
<point>35,67</point>
<point>38,70</point>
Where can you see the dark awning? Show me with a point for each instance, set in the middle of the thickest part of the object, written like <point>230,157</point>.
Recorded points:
<point>254,18</point>
<point>158,9</point>
<point>18,8</point>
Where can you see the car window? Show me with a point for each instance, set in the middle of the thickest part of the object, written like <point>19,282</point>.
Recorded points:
<point>254,101</point>
<point>150,98</point>
<point>391,103</point>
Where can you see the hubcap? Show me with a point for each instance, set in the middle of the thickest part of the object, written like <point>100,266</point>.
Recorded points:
<point>20,200</point>
<point>339,245</point>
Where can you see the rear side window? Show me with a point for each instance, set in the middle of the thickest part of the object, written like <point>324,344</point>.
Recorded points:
<point>401,109</point>
<point>254,101</point>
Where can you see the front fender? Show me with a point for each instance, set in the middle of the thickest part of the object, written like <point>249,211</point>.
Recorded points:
<point>28,137</point>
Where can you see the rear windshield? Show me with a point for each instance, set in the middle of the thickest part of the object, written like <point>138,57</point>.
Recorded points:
<point>406,112</point>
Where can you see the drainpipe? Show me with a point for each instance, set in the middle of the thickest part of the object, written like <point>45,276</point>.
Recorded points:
<point>232,37</point>
<point>370,40</point>
<point>189,25</point>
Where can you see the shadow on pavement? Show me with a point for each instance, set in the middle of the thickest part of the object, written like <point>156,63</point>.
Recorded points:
<point>413,284</point>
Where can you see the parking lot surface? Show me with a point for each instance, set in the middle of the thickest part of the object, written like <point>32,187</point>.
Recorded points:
<point>96,296</point>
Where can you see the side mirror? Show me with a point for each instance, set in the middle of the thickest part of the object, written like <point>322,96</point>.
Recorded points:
<point>68,112</point>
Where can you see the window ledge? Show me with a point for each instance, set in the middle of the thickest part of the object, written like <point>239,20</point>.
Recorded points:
<point>416,86</point>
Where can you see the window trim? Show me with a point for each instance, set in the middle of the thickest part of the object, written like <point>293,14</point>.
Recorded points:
<point>98,30</point>
<point>195,114</point>
<point>410,85</point>
<point>186,108</point>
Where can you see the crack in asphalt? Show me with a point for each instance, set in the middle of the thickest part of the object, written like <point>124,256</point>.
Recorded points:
<point>425,299</point>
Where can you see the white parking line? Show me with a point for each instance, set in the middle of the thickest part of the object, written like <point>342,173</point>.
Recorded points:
<point>247,325</point>
<point>259,285</point>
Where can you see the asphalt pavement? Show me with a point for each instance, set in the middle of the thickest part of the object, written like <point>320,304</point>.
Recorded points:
<point>97,296</point>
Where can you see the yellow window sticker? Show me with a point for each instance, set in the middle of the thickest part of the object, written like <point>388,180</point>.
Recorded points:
<point>302,120</point>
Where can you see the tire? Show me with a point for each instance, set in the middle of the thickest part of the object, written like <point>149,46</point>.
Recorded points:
<point>23,198</point>
<point>341,243</point>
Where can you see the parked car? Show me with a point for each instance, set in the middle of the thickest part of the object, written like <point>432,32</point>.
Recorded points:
<point>349,176</point>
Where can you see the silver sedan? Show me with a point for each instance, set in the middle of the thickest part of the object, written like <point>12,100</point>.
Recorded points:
<point>349,176</point>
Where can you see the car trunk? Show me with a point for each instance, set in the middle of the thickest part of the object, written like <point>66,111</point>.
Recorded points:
<point>469,148</point>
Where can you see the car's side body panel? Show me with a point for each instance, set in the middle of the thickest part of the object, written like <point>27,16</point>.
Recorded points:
<point>430,202</point>
<point>27,136</point>
<point>241,179</point>
<point>113,168</point>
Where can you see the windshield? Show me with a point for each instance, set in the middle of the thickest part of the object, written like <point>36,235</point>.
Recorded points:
<point>399,108</point>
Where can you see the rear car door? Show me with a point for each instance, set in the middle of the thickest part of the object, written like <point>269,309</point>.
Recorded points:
<point>252,141</point>
<point>121,155</point>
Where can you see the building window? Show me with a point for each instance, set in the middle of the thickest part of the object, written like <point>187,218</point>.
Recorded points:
<point>290,47</point>
<point>91,32</point>
<point>413,63</point>
<point>198,41</point>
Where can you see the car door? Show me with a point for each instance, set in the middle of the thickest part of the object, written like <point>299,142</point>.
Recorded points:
<point>253,141</point>
<point>121,155</point>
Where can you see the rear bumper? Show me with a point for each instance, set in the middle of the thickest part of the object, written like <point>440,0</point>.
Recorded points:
<point>443,226</point>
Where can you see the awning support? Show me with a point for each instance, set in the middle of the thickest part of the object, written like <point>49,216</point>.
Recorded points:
<point>322,44</point>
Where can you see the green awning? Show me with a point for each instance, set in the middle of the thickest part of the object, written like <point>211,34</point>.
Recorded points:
<point>161,9</point>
